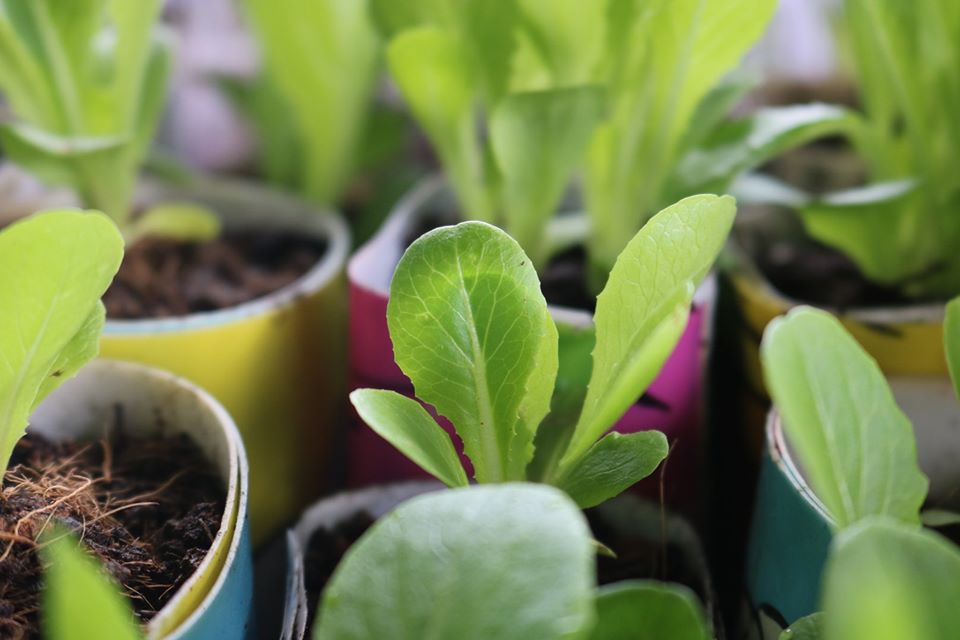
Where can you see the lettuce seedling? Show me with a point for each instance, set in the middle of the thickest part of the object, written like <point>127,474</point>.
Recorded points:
<point>311,102</point>
<point>904,229</point>
<point>54,267</point>
<point>667,134</point>
<point>856,445</point>
<point>508,148</point>
<point>79,599</point>
<point>630,90</point>
<point>471,329</point>
<point>858,450</point>
<point>85,82</point>
<point>510,562</point>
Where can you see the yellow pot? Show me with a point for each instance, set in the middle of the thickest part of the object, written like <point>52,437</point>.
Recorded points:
<point>906,341</point>
<point>277,363</point>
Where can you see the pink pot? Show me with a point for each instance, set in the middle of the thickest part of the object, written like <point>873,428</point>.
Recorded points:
<point>673,404</point>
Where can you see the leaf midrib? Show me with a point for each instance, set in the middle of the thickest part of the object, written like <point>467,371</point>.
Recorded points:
<point>488,469</point>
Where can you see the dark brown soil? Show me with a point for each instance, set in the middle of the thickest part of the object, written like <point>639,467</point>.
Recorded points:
<point>640,558</point>
<point>799,266</point>
<point>162,278</point>
<point>813,273</point>
<point>148,508</point>
<point>564,281</point>
<point>325,549</point>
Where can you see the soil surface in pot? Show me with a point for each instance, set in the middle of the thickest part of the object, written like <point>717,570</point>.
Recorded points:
<point>640,558</point>
<point>325,549</point>
<point>814,273</point>
<point>799,266</point>
<point>802,268</point>
<point>147,508</point>
<point>162,278</point>
<point>637,558</point>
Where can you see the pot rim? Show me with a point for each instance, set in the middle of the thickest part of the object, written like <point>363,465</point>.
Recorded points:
<point>745,270</point>
<point>235,491</point>
<point>781,452</point>
<point>288,211</point>
<point>362,271</point>
<point>238,526</point>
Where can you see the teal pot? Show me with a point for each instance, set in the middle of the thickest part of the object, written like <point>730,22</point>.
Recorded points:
<point>624,517</point>
<point>215,602</point>
<point>792,530</point>
<point>673,404</point>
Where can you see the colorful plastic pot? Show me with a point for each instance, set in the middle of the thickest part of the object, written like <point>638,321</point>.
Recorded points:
<point>215,602</point>
<point>673,403</point>
<point>905,341</point>
<point>626,515</point>
<point>792,530</point>
<point>281,587</point>
<point>277,363</point>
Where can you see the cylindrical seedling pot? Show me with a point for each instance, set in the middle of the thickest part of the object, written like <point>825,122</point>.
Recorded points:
<point>276,363</point>
<point>624,516</point>
<point>281,588</point>
<point>792,530</point>
<point>673,403</point>
<point>905,341</point>
<point>215,602</point>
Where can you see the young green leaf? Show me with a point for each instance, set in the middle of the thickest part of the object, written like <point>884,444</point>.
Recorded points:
<point>613,465</point>
<point>321,57</point>
<point>887,581</point>
<point>53,269</point>
<point>433,68</point>
<point>663,58</point>
<point>647,610</point>
<point>870,224</point>
<point>741,145</point>
<point>538,139</point>
<point>86,83</point>
<point>567,35</point>
<point>936,518</point>
<point>951,342</point>
<point>643,310</point>
<point>807,628</point>
<point>471,329</point>
<point>176,220</point>
<point>855,444</point>
<point>79,600</point>
<point>511,562</point>
<point>405,424</point>
<point>904,58</point>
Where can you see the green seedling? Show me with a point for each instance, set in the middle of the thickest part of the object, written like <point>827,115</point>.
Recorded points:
<point>85,82</point>
<point>471,329</point>
<point>54,267</point>
<point>510,562</point>
<point>516,95</point>
<point>311,103</point>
